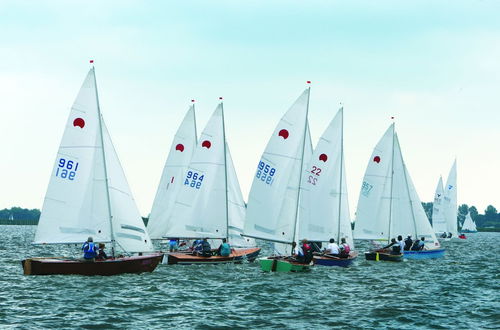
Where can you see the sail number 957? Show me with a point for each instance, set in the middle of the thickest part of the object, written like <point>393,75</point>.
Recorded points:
<point>265,173</point>
<point>66,169</point>
<point>193,179</point>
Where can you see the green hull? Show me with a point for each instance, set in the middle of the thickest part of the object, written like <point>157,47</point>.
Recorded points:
<point>279,265</point>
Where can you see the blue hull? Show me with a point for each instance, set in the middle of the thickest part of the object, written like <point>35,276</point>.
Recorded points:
<point>425,254</point>
<point>333,262</point>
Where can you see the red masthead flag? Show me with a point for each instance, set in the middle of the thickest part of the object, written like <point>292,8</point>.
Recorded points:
<point>91,61</point>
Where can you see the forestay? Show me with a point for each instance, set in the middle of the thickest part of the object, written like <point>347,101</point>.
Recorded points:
<point>438,212</point>
<point>324,211</point>
<point>200,206</point>
<point>171,181</point>
<point>273,199</point>
<point>450,201</point>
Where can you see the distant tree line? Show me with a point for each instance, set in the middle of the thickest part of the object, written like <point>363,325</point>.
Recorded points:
<point>19,216</point>
<point>489,220</point>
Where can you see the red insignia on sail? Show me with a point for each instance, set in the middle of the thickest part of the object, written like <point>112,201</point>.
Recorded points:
<point>206,144</point>
<point>79,122</point>
<point>376,159</point>
<point>91,61</point>
<point>284,134</point>
<point>179,147</point>
<point>323,158</point>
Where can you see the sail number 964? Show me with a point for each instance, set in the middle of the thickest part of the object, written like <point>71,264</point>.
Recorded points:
<point>265,173</point>
<point>66,169</point>
<point>193,179</point>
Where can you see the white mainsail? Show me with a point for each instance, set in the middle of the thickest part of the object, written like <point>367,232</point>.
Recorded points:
<point>450,201</point>
<point>88,194</point>
<point>324,207</point>
<point>469,224</point>
<point>200,209</point>
<point>274,196</point>
<point>388,203</point>
<point>438,212</point>
<point>174,170</point>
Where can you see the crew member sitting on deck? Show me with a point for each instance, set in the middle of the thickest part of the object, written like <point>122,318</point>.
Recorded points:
<point>408,243</point>
<point>224,249</point>
<point>421,244</point>
<point>305,254</point>
<point>196,247</point>
<point>450,234</point>
<point>101,254</point>
<point>206,249</point>
<point>443,235</point>
<point>396,248</point>
<point>401,243</point>
<point>173,245</point>
<point>332,248</point>
<point>89,250</point>
<point>344,248</point>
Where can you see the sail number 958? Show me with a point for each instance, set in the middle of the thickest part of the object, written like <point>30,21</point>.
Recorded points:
<point>265,173</point>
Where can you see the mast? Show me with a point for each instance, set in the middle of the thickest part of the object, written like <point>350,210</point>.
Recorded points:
<point>341,168</point>
<point>112,236</point>
<point>301,164</point>
<point>392,180</point>
<point>225,169</point>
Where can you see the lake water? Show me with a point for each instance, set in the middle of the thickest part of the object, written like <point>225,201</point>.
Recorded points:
<point>459,291</point>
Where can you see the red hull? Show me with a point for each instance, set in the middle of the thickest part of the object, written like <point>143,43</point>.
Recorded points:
<point>55,266</point>
<point>238,255</point>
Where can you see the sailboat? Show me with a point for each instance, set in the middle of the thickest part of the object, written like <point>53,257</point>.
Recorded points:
<point>450,202</point>
<point>88,195</point>
<point>469,226</point>
<point>181,151</point>
<point>324,207</point>
<point>389,206</point>
<point>209,203</point>
<point>273,202</point>
<point>438,213</point>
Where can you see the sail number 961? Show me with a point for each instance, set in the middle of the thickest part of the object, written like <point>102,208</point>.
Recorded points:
<point>193,179</point>
<point>265,173</point>
<point>66,169</point>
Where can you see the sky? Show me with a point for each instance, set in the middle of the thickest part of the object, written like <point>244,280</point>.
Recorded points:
<point>433,65</point>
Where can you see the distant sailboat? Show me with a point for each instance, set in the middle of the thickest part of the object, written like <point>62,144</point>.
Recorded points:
<point>388,203</point>
<point>450,202</point>
<point>438,213</point>
<point>273,202</point>
<point>324,207</point>
<point>88,195</point>
<point>468,226</point>
<point>209,203</point>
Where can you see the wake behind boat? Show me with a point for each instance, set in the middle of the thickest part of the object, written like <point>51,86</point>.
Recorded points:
<point>88,195</point>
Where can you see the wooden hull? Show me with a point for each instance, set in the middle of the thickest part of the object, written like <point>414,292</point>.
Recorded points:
<point>424,254</point>
<point>279,264</point>
<point>60,266</point>
<point>237,256</point>
<point>383,256</point>
<point>335,261</point>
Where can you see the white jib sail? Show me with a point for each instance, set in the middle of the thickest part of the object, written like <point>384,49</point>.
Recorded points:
<point>469,223</point>
<point>273,198</point>
<point>75,204</point>
<point>373,212</point>
<point>438,212</point>
<point>177,162</point>
<point>450,200</point>
<point>324,211</point>
<point>200,206</point>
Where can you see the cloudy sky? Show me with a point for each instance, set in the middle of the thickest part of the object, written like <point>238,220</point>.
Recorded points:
<point>434,65</point>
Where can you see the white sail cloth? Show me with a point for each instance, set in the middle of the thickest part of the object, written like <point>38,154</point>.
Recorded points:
<point>438,213</point>
<point>450,201</point>
<point>469,224</point>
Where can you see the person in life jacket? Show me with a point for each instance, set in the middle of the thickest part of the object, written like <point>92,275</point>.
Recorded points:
<point>396,248</point>
<point>344,248</point>
<point>224,249</point>
<point>305,254</point>
<point>89,250</point>
<point>101,254</point>
<point>206,249</point>
<point>408,243</point>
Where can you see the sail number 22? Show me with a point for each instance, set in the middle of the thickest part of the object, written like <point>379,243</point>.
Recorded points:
<point>265,173</point>
<point>313,179</point>
<point>66,169</point>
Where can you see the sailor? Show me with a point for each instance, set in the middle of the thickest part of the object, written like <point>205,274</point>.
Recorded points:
<point>396,248</point>
<point>450,234</point>
<point>224,249</point>
<point>344,248</point>
<point>206,249</point>
<point>89,250</point>
<point>101,254</point>
<point>332,248</point>
<point>421,244</point>
<point>305,252</point>
<point>173,245</point>
<point>196,247</point>
<point>408,243</point>
<point>401,243</point>
<point>443,235</point>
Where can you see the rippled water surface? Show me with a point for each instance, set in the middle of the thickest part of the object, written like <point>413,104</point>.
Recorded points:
<point>459,291</point>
